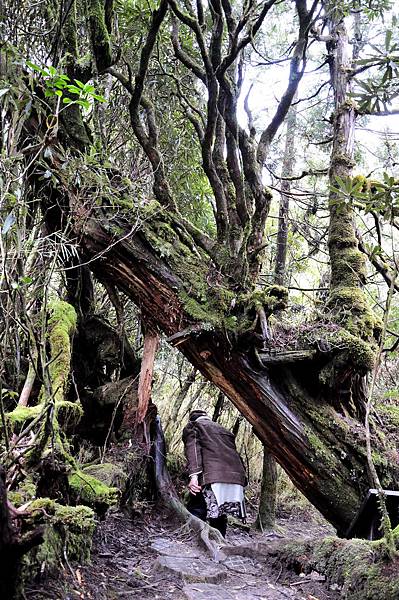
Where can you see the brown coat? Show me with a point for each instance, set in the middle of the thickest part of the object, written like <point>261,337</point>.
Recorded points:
<point>211,450</point>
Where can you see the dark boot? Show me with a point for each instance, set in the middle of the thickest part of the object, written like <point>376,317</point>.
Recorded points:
<point>220,524</point>
<point>196,505</point>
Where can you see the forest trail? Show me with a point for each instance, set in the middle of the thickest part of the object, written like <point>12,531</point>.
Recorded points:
<point>151,556</point>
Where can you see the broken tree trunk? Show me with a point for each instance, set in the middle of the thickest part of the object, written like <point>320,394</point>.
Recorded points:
<point>290,408</point>
<point>151,343</point>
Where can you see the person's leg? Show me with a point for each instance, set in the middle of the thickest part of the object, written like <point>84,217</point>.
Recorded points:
<point>196,505</point>
<point>220,523</point>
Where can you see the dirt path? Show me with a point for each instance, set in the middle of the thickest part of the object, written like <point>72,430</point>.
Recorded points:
<point>152,557</point>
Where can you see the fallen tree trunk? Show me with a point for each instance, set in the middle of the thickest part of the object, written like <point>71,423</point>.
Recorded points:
<point>321,447</point>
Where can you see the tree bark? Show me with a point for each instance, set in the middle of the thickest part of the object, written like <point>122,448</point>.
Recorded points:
<point>218,407</point>
<point>12,546</point>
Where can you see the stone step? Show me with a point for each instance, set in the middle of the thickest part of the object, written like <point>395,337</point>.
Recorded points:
<point>192,570</point>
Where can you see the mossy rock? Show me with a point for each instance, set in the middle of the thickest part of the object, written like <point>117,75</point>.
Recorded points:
<point>361,568</point>
<point>91,491</point>
<point>68,531</point>
<point>108,473</point>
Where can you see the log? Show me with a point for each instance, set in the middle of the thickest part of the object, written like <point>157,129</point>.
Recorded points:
<point>291,411</point>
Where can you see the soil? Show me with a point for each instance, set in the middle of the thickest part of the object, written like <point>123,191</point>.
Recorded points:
<point>149,555</point>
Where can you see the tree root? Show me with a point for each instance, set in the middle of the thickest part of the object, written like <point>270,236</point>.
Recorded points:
<point>209,536</point>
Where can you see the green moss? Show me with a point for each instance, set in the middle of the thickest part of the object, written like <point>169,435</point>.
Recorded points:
<point>92,491</point>
<point>108,473</point>
<point>360,327</point>
<point>360,567</point>
<point>390,415</point>
<point>359,353</point>
<point>62,414</point>
<point>67,413</point>
<point>271,298</point>
<point>16,498</point>
<point>21,414</point>
<point>322,452</point>
<point>61,326</point>
<point>25,492</point>
<point>68,531</point>
<point>204,293</point>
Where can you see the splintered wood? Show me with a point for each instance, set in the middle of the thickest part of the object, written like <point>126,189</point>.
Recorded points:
<point>151,342</point>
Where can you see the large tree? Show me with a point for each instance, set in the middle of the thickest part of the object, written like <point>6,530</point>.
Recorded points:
<point>177,78</point>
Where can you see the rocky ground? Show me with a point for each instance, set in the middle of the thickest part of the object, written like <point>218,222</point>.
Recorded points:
<point>151,556</point>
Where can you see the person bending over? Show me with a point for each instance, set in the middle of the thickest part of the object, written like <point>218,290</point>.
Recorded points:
<point>216,471</point>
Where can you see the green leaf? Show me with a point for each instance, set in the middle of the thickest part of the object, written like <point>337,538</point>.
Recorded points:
<point>99,98</point>
<point>73,89</point>
<point>84,103</point>
<point>36,68</point>
<point>26,280</point>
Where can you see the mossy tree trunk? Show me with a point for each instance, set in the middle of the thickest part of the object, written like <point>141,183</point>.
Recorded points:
<point>347,301</point>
